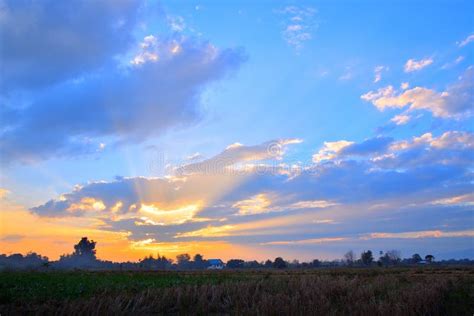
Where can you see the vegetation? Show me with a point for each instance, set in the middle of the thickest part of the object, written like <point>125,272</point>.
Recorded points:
<point>84,258</point>
<point>79,283</point>
<point>356,291</point>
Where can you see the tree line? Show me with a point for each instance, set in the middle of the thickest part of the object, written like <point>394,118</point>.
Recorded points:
<point>84,257</point>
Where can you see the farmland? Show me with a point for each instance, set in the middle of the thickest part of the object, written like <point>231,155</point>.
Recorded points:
<point>379,291</point>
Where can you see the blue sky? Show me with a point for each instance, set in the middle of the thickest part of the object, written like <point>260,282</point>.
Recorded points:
<point>300,128</point>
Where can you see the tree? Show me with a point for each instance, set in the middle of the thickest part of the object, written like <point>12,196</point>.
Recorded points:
<point>198,258</point>
<point>279,263</point>
<point>349,257</point>
<point>416,258</point>
<point>391,257</point>
<point>151,263</point>
<point>367,258</point>
<point>183,260</point>
<point>429,258</point>
<point>235,264</point>
<point>268,264</point>
<point>254,264</point>
<point>315,263</point>
<point>85,248</point>
<point>199,262</point>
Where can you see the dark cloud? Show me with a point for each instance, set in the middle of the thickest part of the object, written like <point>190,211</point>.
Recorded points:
<point>12,238</point>
<point>156,89</point>
<point>45,42</point>
<point>369,146</point>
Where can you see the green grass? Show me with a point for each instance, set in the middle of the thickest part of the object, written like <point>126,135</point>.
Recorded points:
<point>376,291</point>
<point>16,287</point>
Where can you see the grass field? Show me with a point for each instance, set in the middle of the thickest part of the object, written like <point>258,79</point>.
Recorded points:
<point>403,291</point>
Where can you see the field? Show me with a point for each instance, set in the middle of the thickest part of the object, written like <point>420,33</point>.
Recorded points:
<point>376,291</point>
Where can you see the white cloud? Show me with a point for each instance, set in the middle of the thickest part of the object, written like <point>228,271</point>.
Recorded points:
<point>401,119</point>
<point>465,199</point>
<point>455,101</point>
<point>421,234</point>
<point>330,150</point>
<point>176,23</point>
<point>237,153</point>
<point>304,241</point>
<point>415,65</point>
<point>195,156</point>
<point>378,73</point>
<point>466,41</point>
<point>311,204</point>
<point>299,25</point>
<point>457,61</point>
<point>257,204</point>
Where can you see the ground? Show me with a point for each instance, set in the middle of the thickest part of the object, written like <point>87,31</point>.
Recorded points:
<point>373,291</point>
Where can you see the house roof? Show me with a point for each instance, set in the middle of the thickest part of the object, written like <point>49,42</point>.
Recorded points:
<point>215,262</point>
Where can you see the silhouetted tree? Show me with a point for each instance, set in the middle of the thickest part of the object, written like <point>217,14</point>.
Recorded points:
<point>367,258</point>
<point>429,258</point>
<point>349,257</point>
<point>199,262</point>
<point>416,258</point>
<point>151,263</point>
<point>252,264</point>
<point>391,257</point>
<point>315,263</point>
<point>85,248</point>
<point>235,264</point>
<point>183,260</point>
<point>268,264</point>
<point>279,263</point>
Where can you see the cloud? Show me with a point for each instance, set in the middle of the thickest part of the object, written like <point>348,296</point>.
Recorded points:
<point>82,82</point>
<point>12,238</point>
<point>237,153</point>
<point>46,42</point>
<point>415,65</point>
<point>255,205</point>
<point>159,90</point>
<point>304,241</point>
<point>451,148</point>
<point>343,148</point>
<point>457,61</point>
<point>465,199</point>
<point>195,156</point>
<point>378,73</point>
<point>467,40</point>
<point>299,25</point>
<point>176,23</point>
<point>330,150</point>
<point>454,102</point>
<point>401,119</point>
<point>210,231</point>
<point>360,187</point>
<point>421,234</point>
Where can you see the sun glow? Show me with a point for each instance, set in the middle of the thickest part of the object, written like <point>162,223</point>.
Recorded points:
<point>175,216</point>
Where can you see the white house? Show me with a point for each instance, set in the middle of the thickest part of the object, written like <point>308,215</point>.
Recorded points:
<point>215,264</point>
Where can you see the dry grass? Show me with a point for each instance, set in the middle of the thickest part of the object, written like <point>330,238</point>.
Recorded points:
<point>315,292</point>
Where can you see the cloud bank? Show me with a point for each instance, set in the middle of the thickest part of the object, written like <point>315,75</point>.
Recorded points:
<point>347,193</point>
<point>89,97</point>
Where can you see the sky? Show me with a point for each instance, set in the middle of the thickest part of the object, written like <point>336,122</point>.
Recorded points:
<point>237,129</point>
